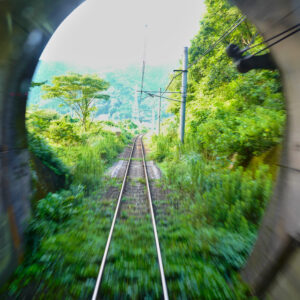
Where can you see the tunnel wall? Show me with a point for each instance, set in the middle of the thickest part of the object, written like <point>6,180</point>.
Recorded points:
<point>276,253</point>
<point>25,28</point>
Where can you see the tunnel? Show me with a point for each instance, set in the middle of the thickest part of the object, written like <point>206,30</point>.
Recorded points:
<point>26,27</point>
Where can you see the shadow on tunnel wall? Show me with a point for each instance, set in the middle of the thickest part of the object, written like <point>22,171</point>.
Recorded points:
<point>25,28</point>
<point>273,268</point>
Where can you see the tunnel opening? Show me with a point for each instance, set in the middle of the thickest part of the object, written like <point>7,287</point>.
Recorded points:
<point>18,69</point>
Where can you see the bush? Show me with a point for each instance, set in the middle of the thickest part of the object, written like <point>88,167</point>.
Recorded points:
<point>38,146</point>
<point>65,242</point>
<point>60,142</point>
<point>209,219</point>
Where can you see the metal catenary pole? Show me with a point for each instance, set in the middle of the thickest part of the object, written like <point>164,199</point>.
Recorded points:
<point>159,112</point>
<point>183,91</point>
<point>153,115</point>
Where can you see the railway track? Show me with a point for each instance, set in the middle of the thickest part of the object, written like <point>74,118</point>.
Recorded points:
<point>138,202</point>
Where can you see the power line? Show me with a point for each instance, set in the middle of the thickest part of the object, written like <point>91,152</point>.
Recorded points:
<point>276,42</point>
<point>144,61</point>
<point>224,35</point>
<point>159,92</point>
<point>274,37</point>
<point>214,45</point>
<point>153,95</point>
<point>173,78</point>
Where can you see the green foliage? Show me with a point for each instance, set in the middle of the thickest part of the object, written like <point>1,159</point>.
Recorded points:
<point>91,161</point>
<point>78,92</point>
<point>162,147</point>
<point>207,224</point>
<point>215,201</point>
<point>35,84</point>
<point>234,199</point>
<point>68,231</point>
<point>40,119</point>
<point>123,83</point>
<point>59,141</point>
<point>132,272</point>
<point>219,197</point>
<point>229,113</point>
<point>201,262</point>
<point>65,239</point>
<point>45,153</point>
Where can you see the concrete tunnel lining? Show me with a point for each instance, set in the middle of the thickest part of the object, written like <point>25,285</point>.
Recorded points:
<point>26,27</point>
<point>280,227</point>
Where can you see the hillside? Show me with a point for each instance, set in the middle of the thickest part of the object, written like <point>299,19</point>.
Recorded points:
<point>123,82</point>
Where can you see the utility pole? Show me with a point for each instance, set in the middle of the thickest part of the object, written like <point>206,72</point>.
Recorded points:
<point>183,91</point>
<point>135,107</point>
<point>153,115</point>
<point>143,67</point>
<point>159,112</point>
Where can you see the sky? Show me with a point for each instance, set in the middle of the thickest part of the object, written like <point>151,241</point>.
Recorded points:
<point>110,34</point>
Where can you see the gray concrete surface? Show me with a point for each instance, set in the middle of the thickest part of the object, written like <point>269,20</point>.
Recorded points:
<point>281,224</point>
<point>25,28</point>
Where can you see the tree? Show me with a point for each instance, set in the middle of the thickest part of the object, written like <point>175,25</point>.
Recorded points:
<point>229,114</point>
<point>78,92</point>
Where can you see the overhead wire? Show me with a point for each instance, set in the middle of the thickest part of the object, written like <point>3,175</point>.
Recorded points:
<point>223,36</point>
<point>156,92</point>
<point>274,37</point>
<point>228,32</point>
<point>171,81</point>
<point>153,95</point>
<point>276,42</point>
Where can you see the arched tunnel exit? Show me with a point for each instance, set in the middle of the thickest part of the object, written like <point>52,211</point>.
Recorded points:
<point>26,27</point>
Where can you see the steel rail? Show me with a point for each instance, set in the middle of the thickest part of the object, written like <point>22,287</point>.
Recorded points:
<point>161,267</point>
<point>101,270</point>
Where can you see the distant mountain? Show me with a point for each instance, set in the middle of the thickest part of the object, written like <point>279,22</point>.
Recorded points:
<point>124,103</point>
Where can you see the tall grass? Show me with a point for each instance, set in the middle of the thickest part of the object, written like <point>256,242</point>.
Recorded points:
<point>68,231</point>
<point>89,160</point>
<point>232,199</point>
<point>220,196</point>
<point>66,240</point>
<point>209,219</point>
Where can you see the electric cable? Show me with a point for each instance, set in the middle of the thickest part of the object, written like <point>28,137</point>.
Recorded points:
<point>224,35</point>
<point>171,81</point>
<point>276,42</point>
<point>274,37</point>
<point>153,95</point>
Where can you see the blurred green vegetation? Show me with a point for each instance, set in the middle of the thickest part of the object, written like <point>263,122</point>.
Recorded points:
<point>217,186</point>
<point>132,270</point>
<point>229,113</point>
<point>68,230</point>
<point>219,182</point>
<point>63,145</point>
<point>66,239</point>
<point>208,221</point>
